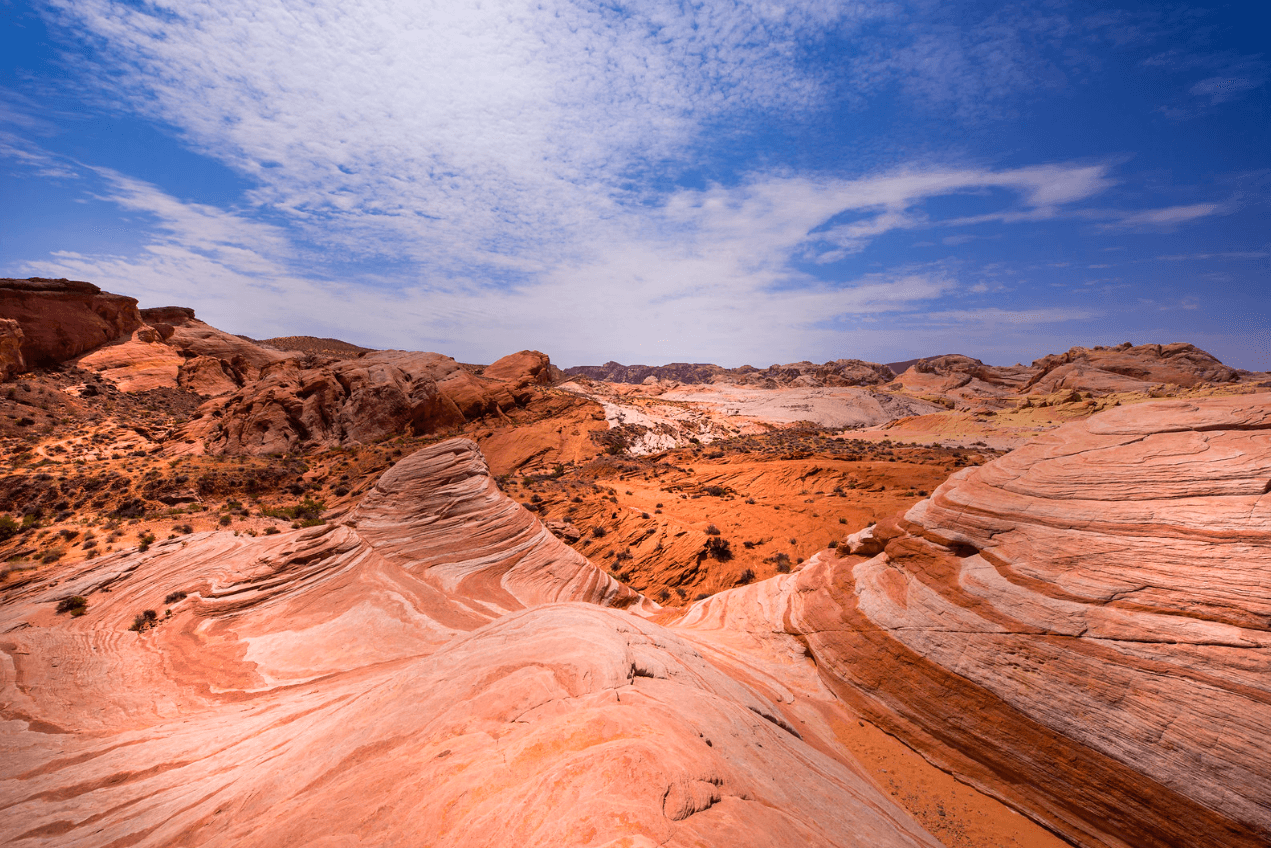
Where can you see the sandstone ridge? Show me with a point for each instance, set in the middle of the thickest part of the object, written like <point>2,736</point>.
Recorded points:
<point>302,405</point>
<point>436,664</point>
<point>1079,627</point>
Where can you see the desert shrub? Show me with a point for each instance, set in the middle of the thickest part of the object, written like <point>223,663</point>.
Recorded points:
<point>173,597</point>
<point>8,527</point>
<point>598,531</point>
<point>130,508</point>
<point>52,556</point>
<point>272,531</point>
<point>144,621</point>
<point>307,510</point>
<point>712,530</point>
<point>782,561</point>
<point>716,491</point>
<point>747,576</point>
<point>145,541</point>
<point>719,548</point>
<point>225,520</point>
<point>76,605</point>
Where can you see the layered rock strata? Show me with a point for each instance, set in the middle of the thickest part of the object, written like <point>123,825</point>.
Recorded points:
<point>437,669</point>
<point>1082,627</point>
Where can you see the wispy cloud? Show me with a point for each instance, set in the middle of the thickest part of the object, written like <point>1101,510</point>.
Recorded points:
<point>520,165</point>
<point>1165,218</point>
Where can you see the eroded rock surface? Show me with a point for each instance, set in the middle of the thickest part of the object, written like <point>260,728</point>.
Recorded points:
<point>60,319</point>
<point>437,668</point>
<point>1128,368</point>
<point>358,401</point>
<point>1082,627</point>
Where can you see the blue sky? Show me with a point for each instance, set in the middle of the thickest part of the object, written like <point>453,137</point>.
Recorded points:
<point>653,181</point>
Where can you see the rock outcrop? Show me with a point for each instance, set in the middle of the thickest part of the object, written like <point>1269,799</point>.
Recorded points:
<point>61,319</point>
<point>1126,368</point>
<point>12,362</point>
<point>957,376</point>
<point>359,401</point>
<point>172,349</point>
<point>437,668</point>
<point>1082,627</point>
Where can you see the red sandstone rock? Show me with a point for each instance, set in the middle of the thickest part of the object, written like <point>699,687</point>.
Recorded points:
<point>178,350</point>
<point>11,360</point>
<point>61,319</point>
<point>358,401</point>
<point>1082,627</point>
<point>437,669</point>
<point>1128,368</point>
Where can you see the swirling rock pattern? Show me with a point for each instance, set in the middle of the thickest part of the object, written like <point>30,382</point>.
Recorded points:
<point>434,669</point>
<point>1082,627</point>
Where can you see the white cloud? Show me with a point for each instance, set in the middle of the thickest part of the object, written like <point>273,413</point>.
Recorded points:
<point>500,149</point>
<point>482,129</point>
<point>711,271</point>
<point>1167,217</point>
<point>1221,89</point>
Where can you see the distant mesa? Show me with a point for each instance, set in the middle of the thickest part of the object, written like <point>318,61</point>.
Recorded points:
<point>1123,368</point>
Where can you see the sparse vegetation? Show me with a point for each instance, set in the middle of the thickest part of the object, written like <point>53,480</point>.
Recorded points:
<point>76,605</point>
<point>145,621</point>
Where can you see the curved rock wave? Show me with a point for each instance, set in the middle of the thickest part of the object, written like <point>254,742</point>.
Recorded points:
<point>435,669</point>
<point>1082,627</point>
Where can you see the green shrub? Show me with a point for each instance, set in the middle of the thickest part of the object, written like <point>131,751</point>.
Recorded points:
<point>8,527</point>
<point>307,510</point>
<point>76,605</point>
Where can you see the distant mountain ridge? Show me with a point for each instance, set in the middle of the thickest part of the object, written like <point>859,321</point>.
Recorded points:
<point>840,372</point>
<point>1123,367</point>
